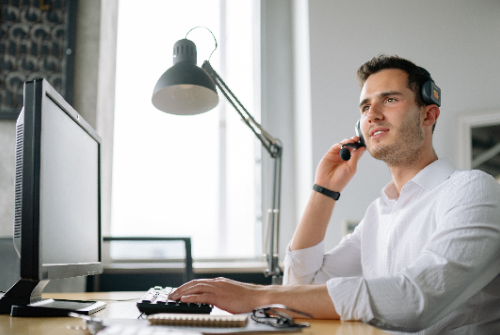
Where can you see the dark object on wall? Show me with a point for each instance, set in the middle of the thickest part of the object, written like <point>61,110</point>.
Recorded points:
<point>486,149</point>
<point>37,40</point>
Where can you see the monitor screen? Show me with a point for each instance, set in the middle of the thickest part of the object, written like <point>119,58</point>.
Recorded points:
<point>69,189</point>
<point>57,228</point>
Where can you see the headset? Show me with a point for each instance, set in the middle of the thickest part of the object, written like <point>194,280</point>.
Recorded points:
<point>431,95</point>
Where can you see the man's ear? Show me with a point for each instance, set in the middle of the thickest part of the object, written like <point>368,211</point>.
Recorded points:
<point>431,115</point>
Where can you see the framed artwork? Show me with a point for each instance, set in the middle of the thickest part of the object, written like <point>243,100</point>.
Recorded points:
<point>479,142</point>
<point>37,40</point>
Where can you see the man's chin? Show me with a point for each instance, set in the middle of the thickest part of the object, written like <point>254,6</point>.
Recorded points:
<point>380,152</point>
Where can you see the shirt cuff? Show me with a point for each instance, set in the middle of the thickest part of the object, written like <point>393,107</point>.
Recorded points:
<point>350,298</point>
<point>303,263</point>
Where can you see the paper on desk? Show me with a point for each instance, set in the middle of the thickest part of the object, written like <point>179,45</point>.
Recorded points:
<point>251,327</point>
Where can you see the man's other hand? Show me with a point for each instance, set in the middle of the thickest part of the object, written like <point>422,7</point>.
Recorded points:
<point>333,173</point>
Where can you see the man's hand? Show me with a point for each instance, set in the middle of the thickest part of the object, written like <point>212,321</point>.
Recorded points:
<point>333,173</point>
<point>236,297</point>
<point>226,294</point>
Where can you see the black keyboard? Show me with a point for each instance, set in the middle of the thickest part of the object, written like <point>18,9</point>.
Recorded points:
<point>156,301</point>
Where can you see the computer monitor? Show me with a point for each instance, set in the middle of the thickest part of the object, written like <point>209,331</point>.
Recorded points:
<point>57,228</point>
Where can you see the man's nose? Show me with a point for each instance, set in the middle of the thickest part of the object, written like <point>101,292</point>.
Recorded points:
<point>375,113</point>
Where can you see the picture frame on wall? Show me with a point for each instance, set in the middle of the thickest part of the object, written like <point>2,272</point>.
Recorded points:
<point>37,40</point>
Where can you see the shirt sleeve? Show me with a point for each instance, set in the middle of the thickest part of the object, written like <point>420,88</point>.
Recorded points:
<point>312,266</point>
<point>460,259</point>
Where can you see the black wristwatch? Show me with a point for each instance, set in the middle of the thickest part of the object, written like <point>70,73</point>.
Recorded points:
<point>332,194</point>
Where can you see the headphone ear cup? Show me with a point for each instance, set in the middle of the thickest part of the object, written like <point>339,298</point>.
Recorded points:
<point>431,93</point>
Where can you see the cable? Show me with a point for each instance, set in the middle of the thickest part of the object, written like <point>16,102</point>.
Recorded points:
<point>215,40</point>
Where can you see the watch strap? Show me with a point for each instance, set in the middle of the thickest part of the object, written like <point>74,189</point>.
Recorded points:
<point>332,194</point>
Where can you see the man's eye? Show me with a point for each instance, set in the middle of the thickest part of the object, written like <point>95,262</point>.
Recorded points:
<point>365,108</point>
<point>391,99</point>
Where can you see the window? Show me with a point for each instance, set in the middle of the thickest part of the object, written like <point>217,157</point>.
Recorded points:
<point>195,176</point>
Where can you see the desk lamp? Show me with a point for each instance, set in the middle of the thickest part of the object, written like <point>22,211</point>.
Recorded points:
<point>185,89</point>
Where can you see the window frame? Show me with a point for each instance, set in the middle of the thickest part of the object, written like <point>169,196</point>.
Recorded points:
<point>222,134</point>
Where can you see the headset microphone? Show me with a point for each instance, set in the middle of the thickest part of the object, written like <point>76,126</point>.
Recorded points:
<point>345,154</point>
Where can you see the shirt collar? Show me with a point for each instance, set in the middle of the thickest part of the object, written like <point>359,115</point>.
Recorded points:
<point>434,174</point>
<point>428,178</point>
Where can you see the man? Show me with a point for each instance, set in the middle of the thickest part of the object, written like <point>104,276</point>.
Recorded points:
<point>426,256</point>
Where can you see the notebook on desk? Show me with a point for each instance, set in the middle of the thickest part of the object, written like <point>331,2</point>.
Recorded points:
<point>199,320</point>
<point>121,326</point>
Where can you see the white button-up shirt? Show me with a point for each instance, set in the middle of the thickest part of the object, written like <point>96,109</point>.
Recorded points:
<point>428,259</point>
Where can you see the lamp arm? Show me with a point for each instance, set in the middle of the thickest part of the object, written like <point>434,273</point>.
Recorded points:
<point>275,149</point>
<point>272,145</point>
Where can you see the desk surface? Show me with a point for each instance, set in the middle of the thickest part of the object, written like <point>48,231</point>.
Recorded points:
<point>121,305</point>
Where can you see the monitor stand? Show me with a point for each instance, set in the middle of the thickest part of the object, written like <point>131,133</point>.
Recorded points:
<point>25,299</point>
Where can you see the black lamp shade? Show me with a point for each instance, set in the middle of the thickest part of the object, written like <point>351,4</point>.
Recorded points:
<point>185,89</point>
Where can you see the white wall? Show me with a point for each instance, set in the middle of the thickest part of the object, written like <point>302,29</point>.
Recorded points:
<point>277,108</point>
<point>457,41</point>
<point>94,86</point>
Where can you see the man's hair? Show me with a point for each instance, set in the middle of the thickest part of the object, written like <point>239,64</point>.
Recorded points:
<point>417,76</point>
